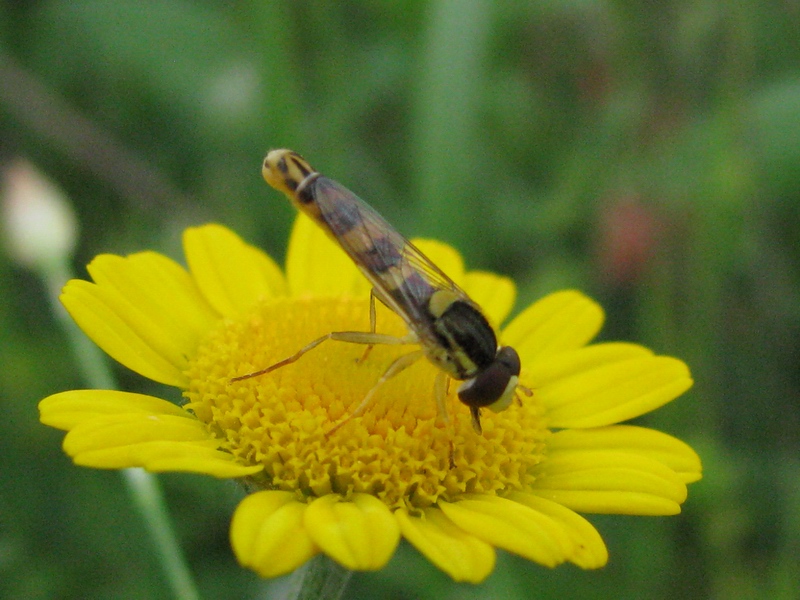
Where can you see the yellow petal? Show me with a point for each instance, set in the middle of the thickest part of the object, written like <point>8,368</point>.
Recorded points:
<point>443,256</point>
<point>161,289</point>
<point>162,456</point>
<point>564,364</point>
<point>231,274</point>
<point>613,392</point>
<point>68,409</point>
<point>512,526</point>
<point>187,459</point>
<point>268,536</point>
<point>315,264</point>
<point>115,430</point>
<point>558,322</point>
<point>493,293</point>
<point>110,431</point>
<point>606,481</point>
<point>459,554</point>
<point>125,333</point>
<point>590,551</point>
<point>360,534</point>
<point>667,450</point>
<point>156,442</point>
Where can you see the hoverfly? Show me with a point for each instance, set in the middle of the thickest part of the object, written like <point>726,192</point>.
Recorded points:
<point>449,328</point>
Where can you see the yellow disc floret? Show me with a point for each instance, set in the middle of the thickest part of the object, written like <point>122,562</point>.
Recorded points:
<point>399,450</point>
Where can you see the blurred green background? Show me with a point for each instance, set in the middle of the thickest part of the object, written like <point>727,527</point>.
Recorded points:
<point>647,153</point>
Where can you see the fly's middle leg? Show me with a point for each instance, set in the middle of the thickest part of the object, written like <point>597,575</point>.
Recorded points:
<point>372,325</point>
<point>399,365</point>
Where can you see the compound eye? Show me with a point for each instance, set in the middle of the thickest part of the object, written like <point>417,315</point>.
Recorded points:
<point>509,357</point>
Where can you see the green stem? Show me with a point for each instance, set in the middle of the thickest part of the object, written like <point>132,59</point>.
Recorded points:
<point>321,578</point>
<point>143,487</point>
<point>146,493</point>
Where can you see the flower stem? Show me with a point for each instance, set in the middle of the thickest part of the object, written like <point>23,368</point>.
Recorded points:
<point>321,578</point>
<point>143,487</point>
<point>145,491</point>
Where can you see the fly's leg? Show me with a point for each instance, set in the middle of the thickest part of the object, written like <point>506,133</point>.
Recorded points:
<point>372,324</point>
<point>475,412</point>
<point>440,391</point>
<point>440,385</point>
<point>399,365</point>
<point>353,337</point>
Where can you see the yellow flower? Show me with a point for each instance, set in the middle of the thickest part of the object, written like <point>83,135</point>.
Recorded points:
<point>387,473</point>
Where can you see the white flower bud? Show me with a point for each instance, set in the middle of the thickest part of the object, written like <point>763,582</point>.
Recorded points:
<point>38,224</point>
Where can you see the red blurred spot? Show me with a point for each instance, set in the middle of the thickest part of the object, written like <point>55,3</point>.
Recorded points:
<point>627,239</point>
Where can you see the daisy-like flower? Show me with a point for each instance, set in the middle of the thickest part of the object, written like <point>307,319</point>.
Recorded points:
<point>386,474</point>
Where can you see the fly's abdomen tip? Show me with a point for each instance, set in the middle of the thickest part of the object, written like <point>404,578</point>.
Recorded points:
<point>285,170</point>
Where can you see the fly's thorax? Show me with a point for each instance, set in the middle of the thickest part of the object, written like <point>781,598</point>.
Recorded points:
<point>465,340</point>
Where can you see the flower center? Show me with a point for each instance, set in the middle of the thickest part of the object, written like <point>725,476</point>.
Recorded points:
<point>399,449</point>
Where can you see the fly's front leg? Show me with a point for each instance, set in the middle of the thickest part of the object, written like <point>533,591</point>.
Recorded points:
<point>352,337</point>
<point>372,324</point>
<point>440,392</point>
<point>440,385</point>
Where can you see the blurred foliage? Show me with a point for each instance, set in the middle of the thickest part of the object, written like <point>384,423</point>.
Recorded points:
<point>647,153</point>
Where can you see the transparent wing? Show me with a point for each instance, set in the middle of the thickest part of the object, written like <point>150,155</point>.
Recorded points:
<point>403,277</point>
